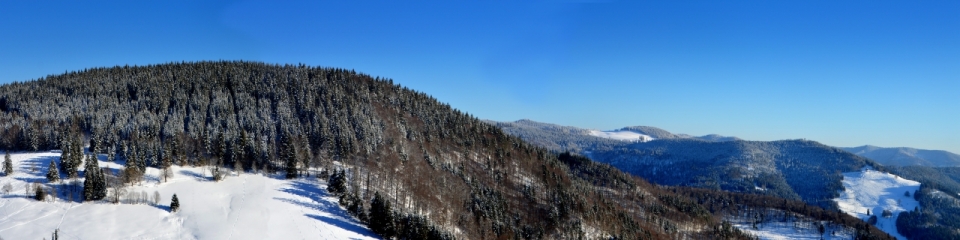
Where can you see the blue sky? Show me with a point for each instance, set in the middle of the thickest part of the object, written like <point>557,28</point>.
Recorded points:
<point>845,73</point>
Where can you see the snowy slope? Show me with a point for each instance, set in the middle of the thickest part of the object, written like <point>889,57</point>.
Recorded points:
<point>247,206</point>
<point>877,191</point>
<point>622,135</point>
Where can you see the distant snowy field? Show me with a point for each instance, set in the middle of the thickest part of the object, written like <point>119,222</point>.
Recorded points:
<point>793,230</point>
<point>622,135</point>
<point>247,206</point>
<point>877,191</point>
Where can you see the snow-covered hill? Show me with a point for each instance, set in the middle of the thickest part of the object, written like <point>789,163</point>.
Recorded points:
<point>903,156</point>
<point>622,135</point>
<point>244,206</point>
<point>877,191</point>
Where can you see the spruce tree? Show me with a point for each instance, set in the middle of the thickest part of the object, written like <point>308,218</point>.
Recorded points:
<point>174,203</point>
<point>53,174</point>
<point>381,217</point>
<point>7,164</point>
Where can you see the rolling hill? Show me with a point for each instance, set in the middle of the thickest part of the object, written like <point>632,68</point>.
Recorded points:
<point>397,160</point>
<point>903,156</point>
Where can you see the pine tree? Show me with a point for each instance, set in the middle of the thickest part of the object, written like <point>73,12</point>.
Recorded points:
<point>174,203</point>
<point>381,217</point>
<point>53,174</point>
<point>7,164</point>
<point>56,234</point>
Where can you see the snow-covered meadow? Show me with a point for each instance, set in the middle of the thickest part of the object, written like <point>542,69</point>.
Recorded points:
<point>242,206</point>
<point>622,135</point>
<point>877,191</point>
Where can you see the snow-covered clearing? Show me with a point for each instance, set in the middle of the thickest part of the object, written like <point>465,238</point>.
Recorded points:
<point>622,135</point>
<point>793,230</point>
<point>877,191</point>
<point>777,224</point>
<point>247,206</point>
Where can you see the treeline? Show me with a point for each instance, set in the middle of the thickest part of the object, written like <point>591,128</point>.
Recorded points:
<point>435,166</point>
<point>723,203</point>
<point>938,216</point>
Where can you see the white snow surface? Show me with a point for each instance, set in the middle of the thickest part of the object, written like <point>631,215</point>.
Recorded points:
<point>877,191</point>
<point>622,135</point>
<point>244,206</point>
<point>793,230</point>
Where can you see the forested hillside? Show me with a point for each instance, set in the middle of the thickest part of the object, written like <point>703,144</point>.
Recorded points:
<point>903,156</point>
<point>793,169</point>
<point>400,160</point>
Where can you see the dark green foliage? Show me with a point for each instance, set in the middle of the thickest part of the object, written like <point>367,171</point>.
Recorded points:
<point>55,235</point>
<point>938,216</point>
<point>95,182</point>
<point>381,217</point>
<point>7,164</point>
<point>337,183</point>
<point>417,227</point>
<point>354,205</point>
<point>39,193</point>
<point>53,174</point>
<point>886,213</point>
<point>174,203</point>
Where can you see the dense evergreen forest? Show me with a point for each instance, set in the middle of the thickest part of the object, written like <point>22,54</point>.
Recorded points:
<point>939,214</point>
<point>427,170</point>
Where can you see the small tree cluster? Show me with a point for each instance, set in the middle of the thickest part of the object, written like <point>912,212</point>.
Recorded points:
<point>337,183</point>
<point>95,183</point>
<point>381,217</point>
<point>71,155</point>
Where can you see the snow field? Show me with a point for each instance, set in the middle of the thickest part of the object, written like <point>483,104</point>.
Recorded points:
<point>877,191</point>
<point>622,135</point>
<point>245,206</point>
<point>793,230</point>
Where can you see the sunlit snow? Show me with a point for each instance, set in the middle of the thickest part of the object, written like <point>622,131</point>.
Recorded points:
<point>245,206</point>
<point>877,191</point>
<point>622,135</point>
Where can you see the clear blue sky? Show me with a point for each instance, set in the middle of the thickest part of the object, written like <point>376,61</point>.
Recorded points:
<point>845,73</point>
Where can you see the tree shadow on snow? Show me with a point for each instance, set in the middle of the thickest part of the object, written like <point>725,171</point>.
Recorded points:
<point>195,175</point>
<point>38,166</point>
<point>342,218</point>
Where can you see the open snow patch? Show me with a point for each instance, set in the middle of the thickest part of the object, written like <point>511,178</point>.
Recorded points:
<point>876,192</point>
<point>622,135</point>
<point>244,206</point>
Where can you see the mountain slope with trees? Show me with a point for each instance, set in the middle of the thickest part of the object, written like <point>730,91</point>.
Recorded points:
<point>439,172</point>
<point>792,169</point>
<point>903,156</point>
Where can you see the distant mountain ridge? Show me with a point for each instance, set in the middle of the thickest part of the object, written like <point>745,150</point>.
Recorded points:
<point>793,169</point>
<point>904,156</point>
